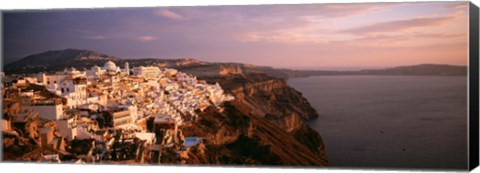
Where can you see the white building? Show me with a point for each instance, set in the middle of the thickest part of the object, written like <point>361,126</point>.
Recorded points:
<point>147,72</point>
<point>148,137</point>
<point>75,91</point>
<point>133,111</point>
<point>51,109</point>
<point>216,94</point>
<point>126,70</point>
<point>95,71</point>
<point>124,116</point>
<point>110,66</point>
<point>65,126</point>
<point>51,81</point>
<point>72,72</point>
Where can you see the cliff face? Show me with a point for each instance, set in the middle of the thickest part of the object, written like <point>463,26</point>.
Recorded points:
<point>259,94</point>
<point>226,70</point>
<point>232,137</point>
<point>267,118</point>
<point>269,98</point>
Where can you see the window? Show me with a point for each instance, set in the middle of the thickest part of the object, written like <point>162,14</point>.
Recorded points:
<point>68,89</point>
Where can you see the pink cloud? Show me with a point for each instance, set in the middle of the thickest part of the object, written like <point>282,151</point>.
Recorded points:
<point>286,36</point>
<point>348,10</point>
<point>461,5</point>
<point>400,25</point>
<point>407,40</point>
<point>169,14</point>
<point>146,38</point>
<point>97,37</point>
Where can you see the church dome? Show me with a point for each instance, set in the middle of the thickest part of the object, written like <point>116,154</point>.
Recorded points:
<point>110,66</point>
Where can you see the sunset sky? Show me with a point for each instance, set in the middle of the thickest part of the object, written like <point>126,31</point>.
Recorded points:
<point>294,36</point>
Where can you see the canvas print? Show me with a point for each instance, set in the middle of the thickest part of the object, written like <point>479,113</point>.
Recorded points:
<point>353,85</point>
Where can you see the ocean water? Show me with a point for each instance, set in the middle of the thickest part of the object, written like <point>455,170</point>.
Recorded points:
<point>411,122</point>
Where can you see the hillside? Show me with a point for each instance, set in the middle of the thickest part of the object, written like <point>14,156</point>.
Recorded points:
<point>58,60</point>
<point>422,69</point>
<point>54,59</point>
<point>80,59</point>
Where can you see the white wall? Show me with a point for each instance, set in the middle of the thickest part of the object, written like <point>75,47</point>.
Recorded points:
<point>65,130</point>
<point>81,134</point>
<point>6,125</point>
<point>51,112</point>
<point>149,137</point>
<point>50,80</point>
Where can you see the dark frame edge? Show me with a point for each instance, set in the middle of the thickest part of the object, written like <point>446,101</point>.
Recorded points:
<point>2,45</point>
<point>474,87</point>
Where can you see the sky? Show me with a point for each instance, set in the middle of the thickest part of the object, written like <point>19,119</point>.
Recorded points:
<point>293,36</point>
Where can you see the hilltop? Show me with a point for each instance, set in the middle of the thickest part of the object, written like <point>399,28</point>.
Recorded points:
<point>80,59</point>
<point>55,59</point>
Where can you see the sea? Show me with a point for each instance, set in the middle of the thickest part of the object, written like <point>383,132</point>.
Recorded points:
<point>400,122</point>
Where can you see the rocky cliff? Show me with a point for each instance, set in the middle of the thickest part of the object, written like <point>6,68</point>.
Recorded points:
<point>268,97</point>
<point>226,70</point>
<point>264,125</point>
<point>232,137</point>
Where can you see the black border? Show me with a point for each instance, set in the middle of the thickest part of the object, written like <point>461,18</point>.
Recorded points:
<point>2,44</point>
<point>473,82</point>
